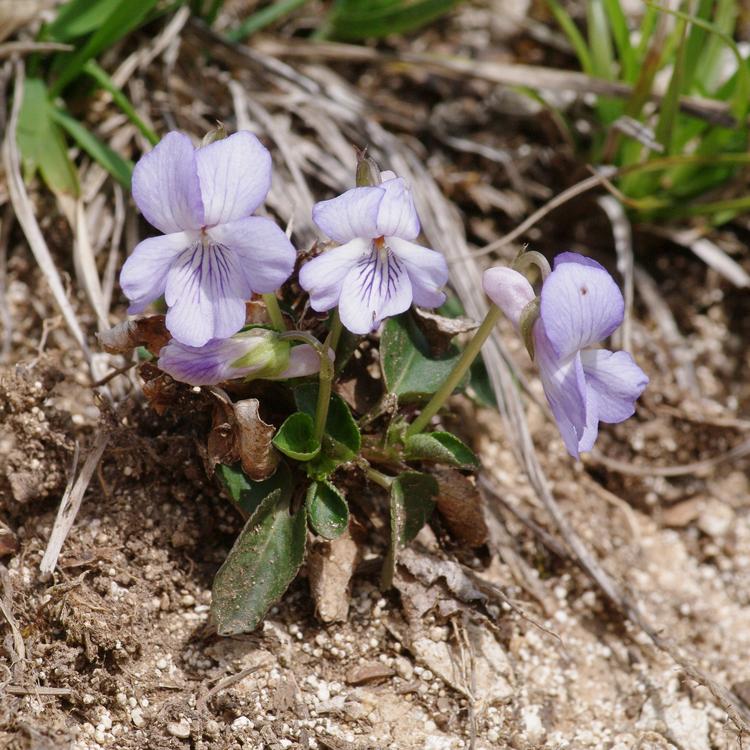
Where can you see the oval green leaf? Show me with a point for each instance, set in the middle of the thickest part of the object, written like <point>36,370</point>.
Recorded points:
<point>327,510</point>
<point>260,566</point>
<point>246,494</point>
<point>296,437</point>
<point>440,447</point>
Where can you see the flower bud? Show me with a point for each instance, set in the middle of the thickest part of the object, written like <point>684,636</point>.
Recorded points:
<point>368,172</point>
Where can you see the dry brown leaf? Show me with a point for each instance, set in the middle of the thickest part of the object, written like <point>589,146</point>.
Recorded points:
<point>8,540</point>
<point>253,439</point>
<point>330,569</point>
<point>150,332</point>
<point>221,446</point>
<point>440,331</point>
<point>460,505</point>
<point>370,672</point>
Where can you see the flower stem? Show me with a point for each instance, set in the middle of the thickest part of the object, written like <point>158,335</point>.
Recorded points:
<point>379,478</point>
<point>456,374</point>
<point>326,378</point>
<point>274,311</point>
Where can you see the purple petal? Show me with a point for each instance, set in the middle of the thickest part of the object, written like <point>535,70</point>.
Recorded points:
<point>580,305</point>
<point>206,292</point>
<point>204,365</point>
<point>323,276</point>
<point>427,269</point>
<point>377,287</point>
<point>166,187</point>
<point>509,290</point>
<point>617,381</point>
<point>235,177</point>
<point>397,216</point>
<point>565,388</point>
<point>265,256</point>
<point>303,361</point>
<point>144,274</point>
<point>350,215</point>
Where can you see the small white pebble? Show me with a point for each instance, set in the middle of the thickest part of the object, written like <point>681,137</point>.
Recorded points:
<point>162,663</point>
<point>179,729</point>
<point>137,717</point>
<point>241,722</point>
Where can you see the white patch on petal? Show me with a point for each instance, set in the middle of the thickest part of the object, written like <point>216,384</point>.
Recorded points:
<point>617,381</point>
<point>206,293</point>
<point>397,215</point>
<point>144,275</point>
<point>565,388</point>
<point>166,188</point>
<point>378,287</point>
<point>427,269</point>
<point>323,276</point>
<point>509,290</point>
<point>235,177</point>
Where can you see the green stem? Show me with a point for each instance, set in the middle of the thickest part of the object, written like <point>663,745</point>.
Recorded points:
<point>263,18</point>
<point>274,311</point>
<point>457,373</point>
<point>379,478</point>
<point>326,378</point>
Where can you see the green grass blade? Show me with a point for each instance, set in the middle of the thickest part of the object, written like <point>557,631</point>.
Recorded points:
<point>78,18</point>
<point>121,169</point>
<point>670,105</point>
<point>353,20</point>
<point>126,17</point>
<point>600,40</point>
<point>41,142</point>
<point>566,23</point>
<point>741,95</point>
<point>621,34</point>
<point>263,18</point>
<point>101,76</point>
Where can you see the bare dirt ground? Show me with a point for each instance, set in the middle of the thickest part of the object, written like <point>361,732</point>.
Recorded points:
<point>511,647</point>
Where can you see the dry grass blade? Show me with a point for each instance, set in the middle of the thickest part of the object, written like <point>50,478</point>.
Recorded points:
<point>9,49</point>
<point>506,74</point>
<point>17,647</point>
<point>6,319</point>
<point>623,239</point>
<point>25,214</point>
<point>71,503</point>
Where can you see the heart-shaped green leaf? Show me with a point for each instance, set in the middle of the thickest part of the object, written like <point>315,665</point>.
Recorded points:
<point>327,510</point>
<point>340,427</point>
<point>296,437</point>
<point>408,369</point>
<point>247,494</point>
<point>440,447</point>
<point>260,566</point>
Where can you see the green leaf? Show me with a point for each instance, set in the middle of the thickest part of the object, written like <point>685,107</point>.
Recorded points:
<point>327,510</point>
<point>246,494</point>
<point>260,566</point>
<point>262,18</point>
<point>41,142</point>
<point>353,19</point>
<point>121,169</point>
<point>342,439</point>
<point>79,17</point>
<point>479,379</point>
<point>408,369</point>
<point>296,437</point>
<point>440,447</point>
<point>119,23</point>
<point>412,503</point>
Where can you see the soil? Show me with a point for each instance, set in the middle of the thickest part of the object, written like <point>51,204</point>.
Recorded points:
<point>116,650</point>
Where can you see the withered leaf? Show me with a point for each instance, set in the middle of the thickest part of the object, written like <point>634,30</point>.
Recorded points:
<point>258,457</point>
<point>439,330</point>
<point>150,332</point>
<point>370,672</point>
<point>330,569</point>
<point>460,505</point>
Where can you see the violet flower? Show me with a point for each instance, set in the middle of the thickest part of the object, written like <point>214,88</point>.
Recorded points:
<point>377,271</point>
<point>580,305</point>
<point>253,354</point>
<point>213,254</point>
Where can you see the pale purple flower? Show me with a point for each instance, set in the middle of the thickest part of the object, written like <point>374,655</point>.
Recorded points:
<point>377,271</point>
<point>213,254</point>
<point>257,353</point>
<point>580,305</point>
